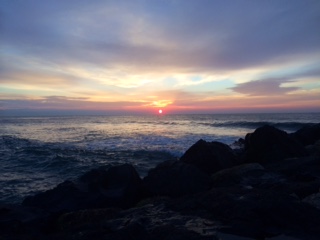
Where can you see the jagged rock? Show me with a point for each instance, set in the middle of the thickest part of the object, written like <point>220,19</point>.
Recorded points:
<point>210,157</point>
<point>308,135</point>
<point>176,178</point>
<point>268,144</point>
<point>118,186</point>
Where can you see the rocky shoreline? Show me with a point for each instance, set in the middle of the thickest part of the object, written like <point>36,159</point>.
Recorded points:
<point>268,186</point>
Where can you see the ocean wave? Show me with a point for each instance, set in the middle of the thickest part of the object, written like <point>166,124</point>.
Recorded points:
<point>254,125</point>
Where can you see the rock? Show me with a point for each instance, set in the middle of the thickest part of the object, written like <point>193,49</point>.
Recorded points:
<point>206,194</point>
<point>313,199</point>
<point>151,221</point>
<point>85,219</point>
<point>314,150</point>
<point>255,213</point>
<point>176,178</point>
<point>269,144</point>
<point>302,175</point>
<point>250,175</point>
<point>210,157</point>
<point>123,186</point>
<point>65,197</point>
<point>118,186</point>
<point>19,222</point>
<point>308,135</point>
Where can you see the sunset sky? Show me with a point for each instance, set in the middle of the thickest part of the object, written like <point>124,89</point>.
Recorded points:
<point>139,56</point>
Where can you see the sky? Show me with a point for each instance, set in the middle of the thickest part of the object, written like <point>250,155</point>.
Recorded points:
<point>139,56</point>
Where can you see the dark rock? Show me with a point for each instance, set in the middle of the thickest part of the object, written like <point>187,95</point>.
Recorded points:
<point>308,135</point>
<point>302,174</point>
<point>255,213</point>
<point>169,232</point>
<point>85,219</point>
<point>118,186</point>
<point>207,194</point>
<point>251,175</point>
<point>65,197</point>
<point>313,199</point>
<point>210,157</point>
<point>17,222</point>
<point>176,178</point>
<point>268,144</point>
<point>93,180</point>
<point>124,186</point>
<point>314,150</point>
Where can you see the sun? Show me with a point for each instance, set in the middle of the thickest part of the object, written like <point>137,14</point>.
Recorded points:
<point>160,111</point>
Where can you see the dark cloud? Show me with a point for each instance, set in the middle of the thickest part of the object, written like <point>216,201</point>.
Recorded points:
<point>265,87</point>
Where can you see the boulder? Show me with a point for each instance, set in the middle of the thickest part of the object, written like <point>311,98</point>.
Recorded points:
<point>269,144</point>
<point>124,186</point>
<point>119,186</point>
<point>175,179</point>
<point>250,175</point>
<point>308,135</point>
<point>209,157</point>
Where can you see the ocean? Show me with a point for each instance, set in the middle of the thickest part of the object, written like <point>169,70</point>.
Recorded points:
<point>37,153</point>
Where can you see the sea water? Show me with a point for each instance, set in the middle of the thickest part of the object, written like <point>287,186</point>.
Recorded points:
<point>37,153</point>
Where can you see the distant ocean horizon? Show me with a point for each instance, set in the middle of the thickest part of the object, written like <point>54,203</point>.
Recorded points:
<point>39,152</point>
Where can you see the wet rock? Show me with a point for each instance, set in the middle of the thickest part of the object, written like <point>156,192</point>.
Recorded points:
<point>269,144</point>
<point>308,135</point>
<point>210,157</point>
<point>176,178</point>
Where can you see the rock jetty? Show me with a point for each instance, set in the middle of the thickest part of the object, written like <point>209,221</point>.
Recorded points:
<point>267,188</point>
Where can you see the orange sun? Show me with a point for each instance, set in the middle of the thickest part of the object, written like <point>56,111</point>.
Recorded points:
<point>160,111</point>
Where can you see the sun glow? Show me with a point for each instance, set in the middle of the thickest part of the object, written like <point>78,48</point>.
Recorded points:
<point>160,111</point>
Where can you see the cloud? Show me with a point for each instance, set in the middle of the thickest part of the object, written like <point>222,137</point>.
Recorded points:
<point>265,87</point>
<point>66,103</point>
<point>210,36</point>
<point>185,53</point>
